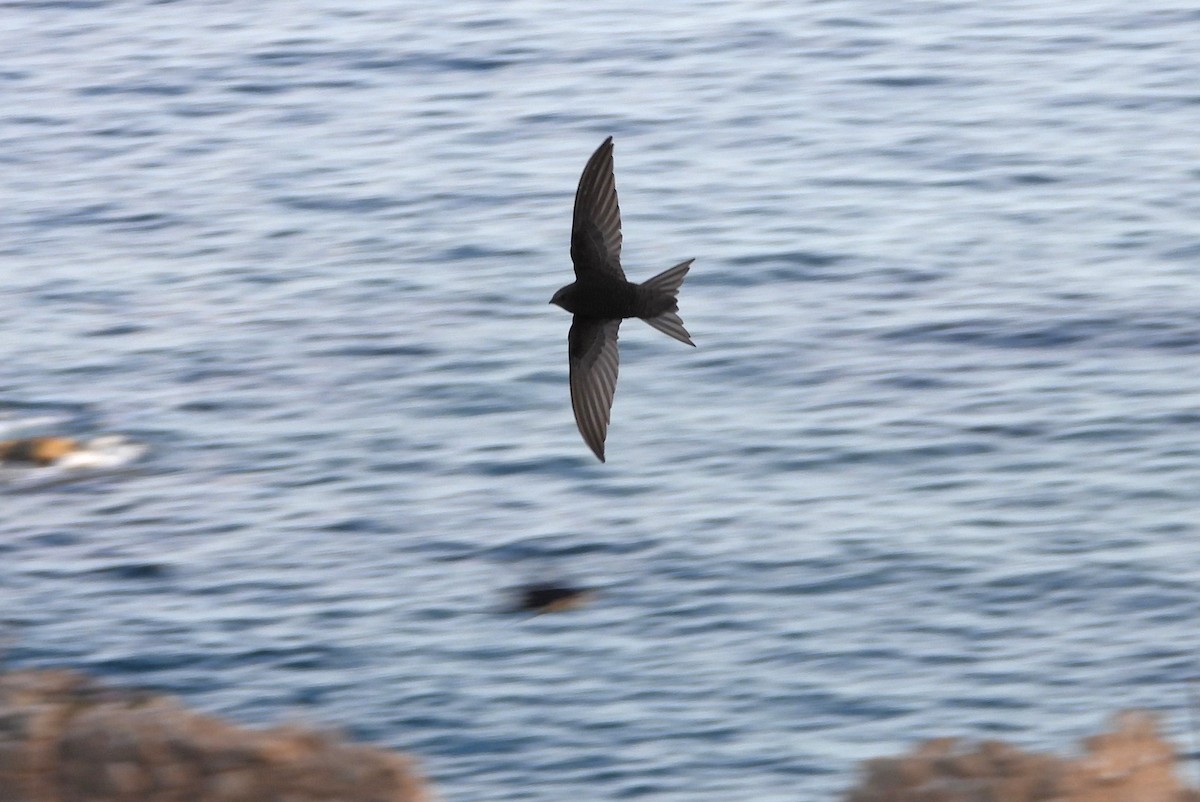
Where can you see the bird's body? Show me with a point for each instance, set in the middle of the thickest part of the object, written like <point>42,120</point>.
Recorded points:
<point>601,297</point>
<point>606,298</point>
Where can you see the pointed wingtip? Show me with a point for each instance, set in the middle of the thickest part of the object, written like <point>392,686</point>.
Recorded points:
<point>596,448</point>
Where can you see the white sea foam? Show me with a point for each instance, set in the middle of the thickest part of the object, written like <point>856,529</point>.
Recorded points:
<point>109,451</point>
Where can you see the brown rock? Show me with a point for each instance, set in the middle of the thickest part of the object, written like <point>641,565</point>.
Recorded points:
<point>37,450</point>
<point>63,738</point>
<point>1129,764</point>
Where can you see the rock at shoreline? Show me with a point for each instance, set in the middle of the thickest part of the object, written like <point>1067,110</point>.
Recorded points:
<point>64,737</point>
<point>1132,763</point>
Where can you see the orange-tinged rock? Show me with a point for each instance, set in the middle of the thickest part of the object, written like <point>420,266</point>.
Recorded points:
<point>63,737</point>
<point>37,450</point>
<point>1131,763</point>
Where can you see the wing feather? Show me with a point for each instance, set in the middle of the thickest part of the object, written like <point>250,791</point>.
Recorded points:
<point>596,227</point>
<point>594,361</point>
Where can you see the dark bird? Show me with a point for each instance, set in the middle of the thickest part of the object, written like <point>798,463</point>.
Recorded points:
<point>550,597</point>
<point>601,297</point>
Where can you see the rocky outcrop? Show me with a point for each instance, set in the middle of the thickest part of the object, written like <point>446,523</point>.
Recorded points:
<point>65,738</point>
<point>1131,763</point>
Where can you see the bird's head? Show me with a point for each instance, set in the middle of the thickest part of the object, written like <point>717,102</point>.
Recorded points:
<point>560,297</point>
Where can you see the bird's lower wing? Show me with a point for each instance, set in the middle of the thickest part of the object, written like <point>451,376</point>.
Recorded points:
<point>592,350</point>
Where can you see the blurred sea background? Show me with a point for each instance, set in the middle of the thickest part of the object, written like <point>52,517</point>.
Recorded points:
<point>934,468</point>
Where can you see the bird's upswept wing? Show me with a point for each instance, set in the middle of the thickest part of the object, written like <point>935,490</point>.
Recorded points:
<point>593,356</point>
<point>596,228</point>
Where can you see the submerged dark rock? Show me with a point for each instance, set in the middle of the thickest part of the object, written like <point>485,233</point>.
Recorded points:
<point>549,597</point>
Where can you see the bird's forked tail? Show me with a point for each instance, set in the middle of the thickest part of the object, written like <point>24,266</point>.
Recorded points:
<point>669,281</point>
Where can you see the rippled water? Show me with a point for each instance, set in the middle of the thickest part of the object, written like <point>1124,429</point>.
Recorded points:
<point>933,468</point>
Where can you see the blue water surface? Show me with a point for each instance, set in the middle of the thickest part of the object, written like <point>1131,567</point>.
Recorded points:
<point>933,468</point>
